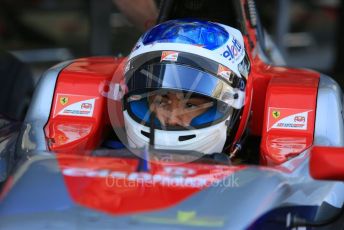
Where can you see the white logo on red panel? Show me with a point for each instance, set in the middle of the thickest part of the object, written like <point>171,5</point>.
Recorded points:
<point>74,105</point>
<point>285,118</point>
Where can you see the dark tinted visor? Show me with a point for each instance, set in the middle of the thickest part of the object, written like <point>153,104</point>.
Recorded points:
<point>179,77</point>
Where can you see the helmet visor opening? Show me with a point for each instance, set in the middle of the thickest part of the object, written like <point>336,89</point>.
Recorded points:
<point>176,110</point>
<point>180,77</point>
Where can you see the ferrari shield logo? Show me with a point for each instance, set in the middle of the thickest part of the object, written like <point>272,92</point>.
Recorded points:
<point>63,100</point>
<point>62,139</point>
<point>276,114</point>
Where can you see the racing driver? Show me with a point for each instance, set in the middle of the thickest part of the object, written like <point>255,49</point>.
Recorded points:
<point>186,82</point>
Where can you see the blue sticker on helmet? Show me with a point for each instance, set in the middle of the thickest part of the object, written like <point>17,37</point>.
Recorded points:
<point>233,51</point>
<point>194,32</point>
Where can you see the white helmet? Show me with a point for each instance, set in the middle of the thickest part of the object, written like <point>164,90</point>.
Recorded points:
<point>195,59</point>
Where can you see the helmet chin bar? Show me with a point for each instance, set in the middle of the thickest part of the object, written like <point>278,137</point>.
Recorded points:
<point>206,140</point>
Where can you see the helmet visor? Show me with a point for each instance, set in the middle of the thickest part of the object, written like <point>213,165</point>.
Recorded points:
<point>179,77</point>
<point>180,96</point>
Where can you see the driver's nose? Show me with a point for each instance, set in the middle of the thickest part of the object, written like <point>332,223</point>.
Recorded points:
<point>174,118</point>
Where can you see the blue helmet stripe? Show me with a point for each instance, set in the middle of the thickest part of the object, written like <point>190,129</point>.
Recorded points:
<point>194,32</point>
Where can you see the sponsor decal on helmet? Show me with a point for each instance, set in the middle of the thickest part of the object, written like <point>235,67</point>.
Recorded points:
<point>225,72</point>
<point>135,97</point>
<point>169,56</point>
<point>233,50</point>
<point>136,47</point>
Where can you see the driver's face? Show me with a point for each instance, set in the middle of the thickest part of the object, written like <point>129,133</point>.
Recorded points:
<point>176,109</point>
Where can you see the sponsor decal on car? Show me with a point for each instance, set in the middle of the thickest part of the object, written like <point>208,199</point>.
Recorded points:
<point>287,118</point>
<point>169,56</point>
<point>63,100</point>
<point>179,171</point>
<point>74,105</point>
<point>166,176</point>
<point>86,106</point>
<point>300,119</point>
<point>276,114</point>
<point>139,177</point>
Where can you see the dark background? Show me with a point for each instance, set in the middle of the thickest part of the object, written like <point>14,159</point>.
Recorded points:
<point>41,33</point>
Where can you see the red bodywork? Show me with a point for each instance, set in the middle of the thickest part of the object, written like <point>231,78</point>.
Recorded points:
<point>326,163</point>
<point>81,87</point>
<point>113,185</point>
<point>280,101</point>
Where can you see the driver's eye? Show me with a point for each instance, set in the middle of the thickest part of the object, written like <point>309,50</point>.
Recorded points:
<point>161,101</point>
<point>189,105</point>
<point>162,104</point>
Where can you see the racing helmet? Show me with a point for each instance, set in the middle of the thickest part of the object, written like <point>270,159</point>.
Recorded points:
<point>185,87</point>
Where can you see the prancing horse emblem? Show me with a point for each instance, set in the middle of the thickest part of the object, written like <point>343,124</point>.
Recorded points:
<point>276,114</point>
<point>63,100</point>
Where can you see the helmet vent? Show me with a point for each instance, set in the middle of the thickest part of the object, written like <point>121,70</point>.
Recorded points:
<point>187,137</point>
<point>146,134</point>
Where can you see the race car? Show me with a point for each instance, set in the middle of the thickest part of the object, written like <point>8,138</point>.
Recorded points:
<point>65,168</point>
